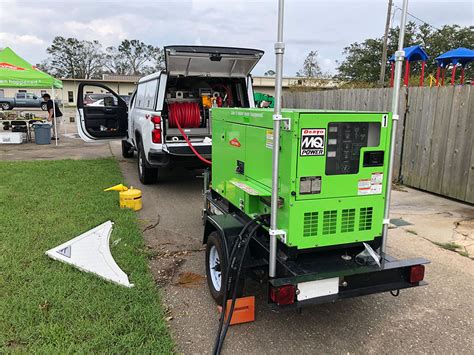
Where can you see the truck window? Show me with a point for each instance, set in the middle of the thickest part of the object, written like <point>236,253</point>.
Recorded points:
<point>20,95</point>
<point>140,95</point>
<point>150,94</point>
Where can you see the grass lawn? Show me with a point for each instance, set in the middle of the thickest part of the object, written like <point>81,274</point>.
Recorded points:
<point>50,307</point>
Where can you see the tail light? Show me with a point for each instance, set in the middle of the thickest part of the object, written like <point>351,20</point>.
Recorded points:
<point>417,273</point>
<point>156,132</point>
<point>283,295</point>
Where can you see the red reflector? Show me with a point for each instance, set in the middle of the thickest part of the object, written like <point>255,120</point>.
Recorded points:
<point>156,136</point>
<point>283,295</point>
<point>156,119</point>
<point>417,273</point>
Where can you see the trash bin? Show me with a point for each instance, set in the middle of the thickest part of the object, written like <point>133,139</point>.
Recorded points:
<point>42,133</point>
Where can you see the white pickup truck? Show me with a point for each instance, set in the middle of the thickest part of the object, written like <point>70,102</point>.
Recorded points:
<point>169,103</point>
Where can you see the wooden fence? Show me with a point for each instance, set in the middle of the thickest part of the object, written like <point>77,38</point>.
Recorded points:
<point>434,147</point>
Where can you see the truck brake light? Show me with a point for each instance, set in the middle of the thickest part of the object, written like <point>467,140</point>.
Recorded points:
<point>156,132</point>
<point>417,273</point>
<point>283,295</point>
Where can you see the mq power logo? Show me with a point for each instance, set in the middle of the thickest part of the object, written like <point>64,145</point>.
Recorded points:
<point>312,141</point>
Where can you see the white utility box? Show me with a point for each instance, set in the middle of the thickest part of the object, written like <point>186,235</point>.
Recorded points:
<point>12,137</point>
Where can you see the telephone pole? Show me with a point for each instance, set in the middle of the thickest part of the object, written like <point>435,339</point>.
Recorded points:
<point>385,40</point>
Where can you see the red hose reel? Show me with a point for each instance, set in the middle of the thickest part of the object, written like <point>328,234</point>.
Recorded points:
<point>187,115</point>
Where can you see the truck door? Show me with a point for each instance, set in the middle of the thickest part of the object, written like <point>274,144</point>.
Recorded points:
<point>20,99</point>
<point>104,118</point>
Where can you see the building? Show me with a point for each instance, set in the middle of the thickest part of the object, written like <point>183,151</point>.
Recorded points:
<point>125,85</point>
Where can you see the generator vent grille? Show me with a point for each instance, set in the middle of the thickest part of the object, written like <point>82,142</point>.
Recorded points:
<point>348,220</point>
<point>310,226</point>
<point>329,222</point>
<point>365,218</point>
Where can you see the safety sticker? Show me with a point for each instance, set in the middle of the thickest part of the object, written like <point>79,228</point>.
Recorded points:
<point>269,138</point>
<point>312,141</point>
<point>372,186</point>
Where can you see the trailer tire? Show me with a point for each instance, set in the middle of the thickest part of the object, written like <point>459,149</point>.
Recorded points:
<point>216,256</point>
<point>146,174</point>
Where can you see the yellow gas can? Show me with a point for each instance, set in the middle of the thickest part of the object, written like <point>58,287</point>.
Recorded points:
<point>129,197</point>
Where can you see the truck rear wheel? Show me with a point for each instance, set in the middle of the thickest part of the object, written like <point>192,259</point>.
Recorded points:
<point>216,264</point>
<point>146,174</point>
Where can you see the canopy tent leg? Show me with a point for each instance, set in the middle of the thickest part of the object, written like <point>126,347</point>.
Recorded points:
<point>392,68</point>
<point>54,116</point>
<point>407,72</point>
<point>422,76</point>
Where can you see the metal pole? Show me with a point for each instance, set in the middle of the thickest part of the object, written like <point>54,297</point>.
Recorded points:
<point>399,57</point>
<point>279,50</point>
<point>384,48</point>
<point>54,116</point>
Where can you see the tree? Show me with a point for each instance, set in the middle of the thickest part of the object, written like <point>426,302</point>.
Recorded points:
<point>311,67</point>
<point>362,61</point>
<point>72,58</point>
<point>269,72</point>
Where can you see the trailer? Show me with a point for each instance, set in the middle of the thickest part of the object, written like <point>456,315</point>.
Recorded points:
<point>300,199</point>
<point>332,183</point>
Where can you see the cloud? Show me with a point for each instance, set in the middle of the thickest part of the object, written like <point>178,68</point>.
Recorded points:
<point>323,25</point>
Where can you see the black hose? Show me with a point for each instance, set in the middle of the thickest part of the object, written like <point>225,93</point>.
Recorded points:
<point>234,293</point>
<point>225,282</point>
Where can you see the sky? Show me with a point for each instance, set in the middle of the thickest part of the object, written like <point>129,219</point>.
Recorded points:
<point>28,27</point>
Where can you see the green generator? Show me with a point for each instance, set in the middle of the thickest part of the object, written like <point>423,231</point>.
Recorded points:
<point>332,171</point>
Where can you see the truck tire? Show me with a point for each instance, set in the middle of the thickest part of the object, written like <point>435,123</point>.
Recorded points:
<point>216,264</point>
<point>44,107</point>
<point>6,106</point>
<point>127,151</point>
<point>146,174</point>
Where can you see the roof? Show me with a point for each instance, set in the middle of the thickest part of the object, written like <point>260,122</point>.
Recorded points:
<point>121,78</point>
<point>456,56</point>
<point>15,72</point>
<point>413,54</point>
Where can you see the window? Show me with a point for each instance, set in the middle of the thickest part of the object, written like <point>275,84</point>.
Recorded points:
<point>30,96</point>
<point>70,96</point>
<point>150,94</point>
<point>146,94</point>
<point>21,90</point>
<point>21,95</point>
<point>2,93</point>
<point>43,92</point>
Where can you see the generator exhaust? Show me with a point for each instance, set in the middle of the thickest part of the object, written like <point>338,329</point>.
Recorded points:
<point>274,231</point>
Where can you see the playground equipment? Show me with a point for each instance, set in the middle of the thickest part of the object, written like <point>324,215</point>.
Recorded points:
<point>455,57</point>
<point>412,54</point>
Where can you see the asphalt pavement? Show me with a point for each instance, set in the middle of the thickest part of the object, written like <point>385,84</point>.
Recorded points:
<point>437,318</point>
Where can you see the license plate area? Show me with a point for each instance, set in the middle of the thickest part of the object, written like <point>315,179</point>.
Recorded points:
<point>317,288</point>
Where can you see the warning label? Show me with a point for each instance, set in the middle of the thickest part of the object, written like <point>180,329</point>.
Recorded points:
<point>269,138</point>
<point>372,186</point>
<point>312,141</point>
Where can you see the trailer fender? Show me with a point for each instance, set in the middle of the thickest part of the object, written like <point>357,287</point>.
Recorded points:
<point>227,226</point>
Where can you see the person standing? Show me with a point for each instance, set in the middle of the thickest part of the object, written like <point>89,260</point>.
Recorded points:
<point>59,115</point>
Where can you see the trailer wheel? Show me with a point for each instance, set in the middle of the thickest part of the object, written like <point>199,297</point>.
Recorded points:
<point>216,264</point>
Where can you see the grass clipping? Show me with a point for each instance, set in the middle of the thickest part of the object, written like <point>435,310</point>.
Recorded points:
<point>49,307</point>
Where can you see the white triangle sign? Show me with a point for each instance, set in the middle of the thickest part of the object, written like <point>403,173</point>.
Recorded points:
<point>90,252</point>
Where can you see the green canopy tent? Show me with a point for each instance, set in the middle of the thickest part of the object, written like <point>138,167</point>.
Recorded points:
<point>15,72</point>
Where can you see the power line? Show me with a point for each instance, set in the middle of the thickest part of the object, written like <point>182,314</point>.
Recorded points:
<point>417,18</point>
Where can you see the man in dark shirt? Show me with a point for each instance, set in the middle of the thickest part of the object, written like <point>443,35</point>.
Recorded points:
<point>59,115</point>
